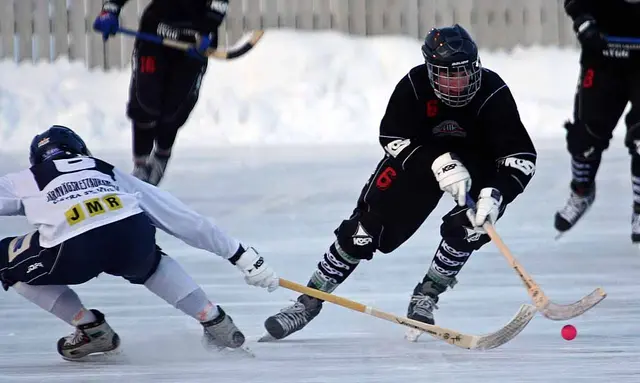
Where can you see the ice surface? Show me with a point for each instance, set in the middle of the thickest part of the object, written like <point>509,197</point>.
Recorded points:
<point>287,202</point>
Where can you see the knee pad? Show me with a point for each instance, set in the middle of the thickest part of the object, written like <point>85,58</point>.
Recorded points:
<point>457,232</point>
<point>174,119</point>
<point>359,235</point>
<point>632,138</point>
<point>581,142</point>
<point>142,114</point>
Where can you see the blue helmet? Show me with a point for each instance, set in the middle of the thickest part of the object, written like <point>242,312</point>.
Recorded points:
<point>55,143</point>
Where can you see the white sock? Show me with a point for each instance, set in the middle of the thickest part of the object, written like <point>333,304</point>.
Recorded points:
<point>171,283</point>
<point>59,300</point>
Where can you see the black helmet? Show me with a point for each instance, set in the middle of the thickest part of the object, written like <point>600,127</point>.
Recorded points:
<point>454,67</point>
<point>55,143</point>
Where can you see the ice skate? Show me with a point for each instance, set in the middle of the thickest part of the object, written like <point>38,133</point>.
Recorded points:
<point>157,166</point>
<point>291,319</point>
<point>221,332</point>
<point>635,225</point>
<point>579,202</point>
<point>141,169</point>
<point>90,338</point>
<point>422,304</point>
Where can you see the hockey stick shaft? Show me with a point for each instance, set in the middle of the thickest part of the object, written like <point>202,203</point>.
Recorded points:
<point>535,292</point>
<point>455,338</point>
<point>623,40</point>
<point>352,305</point>
<point>183,46</point>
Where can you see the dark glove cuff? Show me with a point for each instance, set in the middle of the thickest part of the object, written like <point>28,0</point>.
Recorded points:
<point>583,22</point>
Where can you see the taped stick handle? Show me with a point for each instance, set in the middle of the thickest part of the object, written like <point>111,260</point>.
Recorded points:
<point>622,40</point>
<point>157,39</point>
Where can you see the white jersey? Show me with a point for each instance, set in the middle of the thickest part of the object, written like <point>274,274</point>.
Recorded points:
<point>65,198</point>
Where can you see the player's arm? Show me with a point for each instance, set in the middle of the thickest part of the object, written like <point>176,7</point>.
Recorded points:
<point>576,8</point>
<point>398,127</point>
<point>174,217</point>
<point>207,15</point>
<point>509,143</point>
<point>10,203</point>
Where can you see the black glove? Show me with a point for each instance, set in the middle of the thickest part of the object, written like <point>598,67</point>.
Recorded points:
<point>589,34</point>
<point>5,283</point>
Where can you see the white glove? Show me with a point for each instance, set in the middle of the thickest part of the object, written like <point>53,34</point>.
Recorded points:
<point>452,176</point>
<point>256,270</point>
<point>487,207</point>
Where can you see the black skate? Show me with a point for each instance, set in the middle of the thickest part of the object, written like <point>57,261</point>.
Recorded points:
<point>579,202</point>
<point>141,168</point>
<point>422,304</point>
<point>220,333</point>
<point>291,319</point>
<point>90,338</point>
<point>157,166</point>
<point>635,225</point>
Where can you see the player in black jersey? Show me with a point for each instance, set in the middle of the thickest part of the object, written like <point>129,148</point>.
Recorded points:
<point>450,126</point>
<point>609,80</point>
<point>166,82</point>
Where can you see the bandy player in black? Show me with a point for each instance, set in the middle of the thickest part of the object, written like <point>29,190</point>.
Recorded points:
<point>165,82</point>
<point>609,80</point>
<point>450,127</point>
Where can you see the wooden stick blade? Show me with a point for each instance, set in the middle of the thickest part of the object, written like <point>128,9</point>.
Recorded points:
<point>555,311</point>
<point>509,331</point>
<point>479,342</point>
<point>244,45</point>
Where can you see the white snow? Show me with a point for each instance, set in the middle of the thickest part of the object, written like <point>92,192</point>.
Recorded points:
<point>294,87</point>
<point>235,162</point>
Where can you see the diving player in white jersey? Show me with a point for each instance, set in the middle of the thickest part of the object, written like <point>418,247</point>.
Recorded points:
<point>92,218</point>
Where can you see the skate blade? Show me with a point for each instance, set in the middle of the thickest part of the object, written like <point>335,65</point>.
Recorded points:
<point>560,235</point>
<point>242,350</point>
<point>109,356</point>
<point>267,338</point>
<point>412,335</point>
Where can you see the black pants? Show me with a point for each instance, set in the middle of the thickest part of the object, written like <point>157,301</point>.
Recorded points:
<point>392,206</point>
<point>164,89</point>
<point>602,95</point>
<point>402,201</point>
<point>125,248</point>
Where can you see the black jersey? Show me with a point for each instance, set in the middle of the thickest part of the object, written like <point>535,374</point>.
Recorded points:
<point>487,134</point>
<point>203,16</point>
<point>619,18</point>
<point>613,17</point>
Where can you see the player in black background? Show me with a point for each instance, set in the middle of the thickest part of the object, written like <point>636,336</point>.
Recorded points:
<point>449,121</point>
<point>609,79</point>
<point>165,83</point>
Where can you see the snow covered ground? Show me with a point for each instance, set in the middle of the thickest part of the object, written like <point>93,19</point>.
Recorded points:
<point>277,151</point>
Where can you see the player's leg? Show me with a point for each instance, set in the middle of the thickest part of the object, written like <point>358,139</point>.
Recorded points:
<point>391,207</point>
<point>138,259</point>
<point>41,275</point>
<point>459,240</point>
<point>632,141</point>
<point>146,89</point>
<point>184,80</point>
<point>599,102</point>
